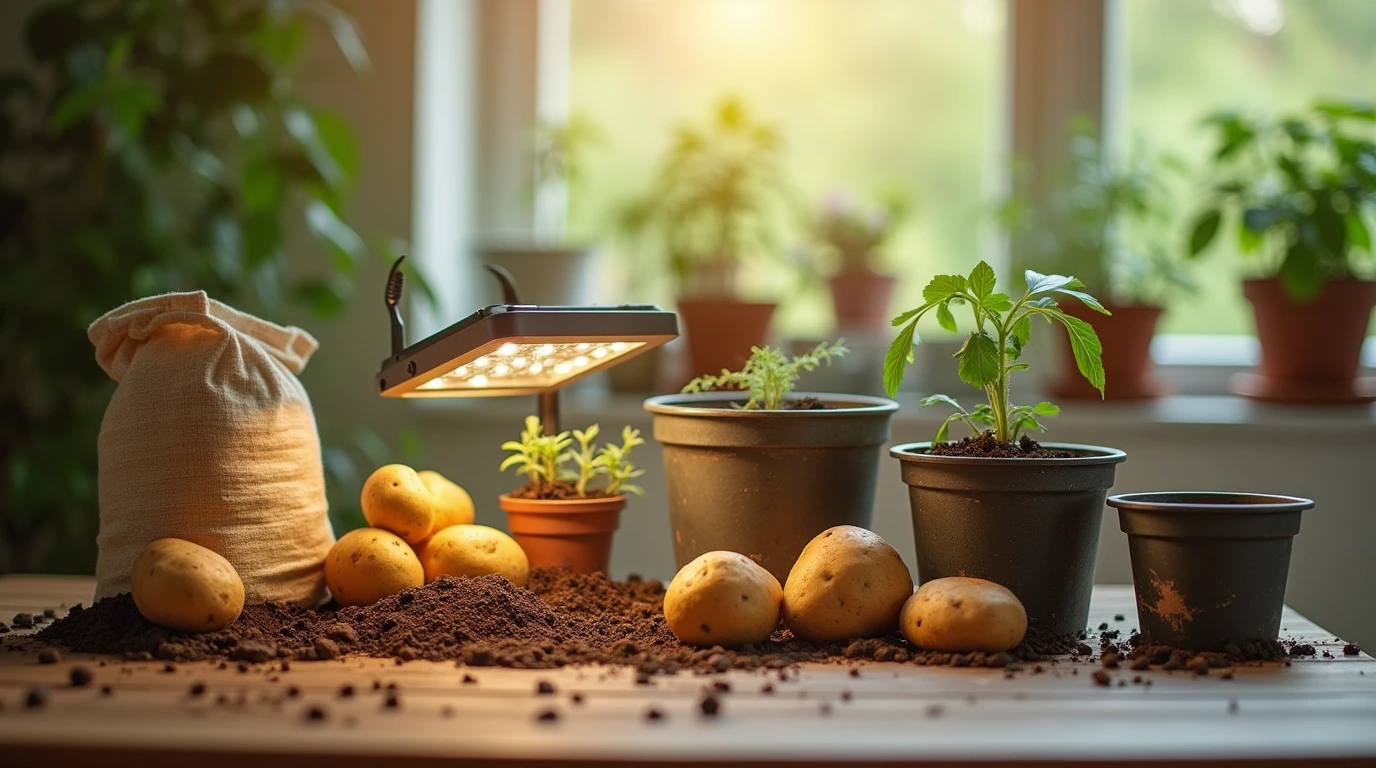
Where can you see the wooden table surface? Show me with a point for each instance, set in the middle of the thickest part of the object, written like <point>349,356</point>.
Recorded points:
<point>1319,711</point>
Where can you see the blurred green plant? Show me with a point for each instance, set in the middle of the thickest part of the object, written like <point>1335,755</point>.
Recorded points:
<point>717,200</point>
<point>558,155</point>
<point>851,235</point>
<point>1109,221</point>
<point>147,147</point>
<point>1302,189</point>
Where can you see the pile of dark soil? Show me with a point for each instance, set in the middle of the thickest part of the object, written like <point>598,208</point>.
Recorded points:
<point>1134,654</point>
<point>563,618</point>
<point>989,447</point>
<point>806,404</point>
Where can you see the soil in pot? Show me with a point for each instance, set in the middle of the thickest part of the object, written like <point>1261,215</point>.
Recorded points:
<point>1126,336</point>
<point>764,483</point>
<point>557,527</point>
<point>1209,569</point>
<point>988,446</point>
<point>1028,523</point>
<point>1310,351</point>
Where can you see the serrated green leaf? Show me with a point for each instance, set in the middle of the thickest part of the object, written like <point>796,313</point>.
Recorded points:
<point>1039,283</point>
<point>983,414</point>
<point>1204,230</point>
<point>943,287</point>
<point>934,399</point>
<point>981,281</point>
<point>1021,332</point>
<point>1084,344</point>
<point>1089,301</point>
<point>912,314</point>
<point>1046,409</point>
<point>899,355</point>
<point>978,360</point>
<point>998,302</point>
<point>944,318</point>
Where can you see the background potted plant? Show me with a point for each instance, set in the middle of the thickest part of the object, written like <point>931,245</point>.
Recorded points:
<point>717,201</point>
<point>762,470</point>
<point>559,517</point>
<point>549,269</point>
<point>1209,568</point>
<point>1301,190</point>
<point>1000,506</point>
<point>1106,222</point>
<point>851,236</point>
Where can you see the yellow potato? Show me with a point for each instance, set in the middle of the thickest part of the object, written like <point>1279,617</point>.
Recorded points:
<point>181,585</point>
<point>723,598</point>
<point>368,564</point>
<point>397,500</point>
<point>474,550</point>
<point>848,582</point>
<point>961,614</point>
<point>453,505</point>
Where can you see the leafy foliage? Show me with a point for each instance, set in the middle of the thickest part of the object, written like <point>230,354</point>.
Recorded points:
<point>542,458</point>
<point>716,199</point>
<point>769,375</point>
<point>1107,221</point>
<point>148,147</point>
<point>853,234</point>
<point>991,351</point>
<point>1300,190</point>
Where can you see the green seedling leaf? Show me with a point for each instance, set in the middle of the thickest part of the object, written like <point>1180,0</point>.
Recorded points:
<point>1084,344</point>
<point>978,360</point>
<point>1039,283</point>
<point>899,355</point>
<point>944,318</point>
<point>942,288</point>
<point>1046,409</point>
<point>982,279</point>
<point>998,302</point>
<point>1204,230</point>
<point>934,399</point>
<point>1089,301</point>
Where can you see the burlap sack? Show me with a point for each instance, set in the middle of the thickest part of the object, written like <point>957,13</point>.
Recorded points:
<point>210,438</point>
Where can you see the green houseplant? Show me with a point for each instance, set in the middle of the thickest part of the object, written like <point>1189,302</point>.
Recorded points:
<point>552,267</point>
<point>1299,193</point>
<point>717,201</point>
<point>998,505</point>
<point>567,517</point>
<point>1107,221</point>
<point>851,237</point>
<point>753,467</point>
<point>152,147</point>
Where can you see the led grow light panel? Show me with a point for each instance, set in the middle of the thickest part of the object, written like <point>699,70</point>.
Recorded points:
<point>504,366</point>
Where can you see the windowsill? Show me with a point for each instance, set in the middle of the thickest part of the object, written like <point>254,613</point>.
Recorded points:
<point>1227,411</point>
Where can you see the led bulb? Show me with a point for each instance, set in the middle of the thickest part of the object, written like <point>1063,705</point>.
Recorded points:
<point>599,353</point>
<point>461,371</point>
<point>584,347</point>
<point>618,346</point>
<point>507,350</point>
<point>518,362</point>
<point>478,381</point>
<point>481,362</point>
<point>580,361</point>
<point>544,350</point>
<point>563,368</point>
<point>537,368</point>
<point>502,369</point>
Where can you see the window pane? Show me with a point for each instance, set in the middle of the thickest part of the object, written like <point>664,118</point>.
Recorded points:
<point>1189,57</point>
<point>866,94</point>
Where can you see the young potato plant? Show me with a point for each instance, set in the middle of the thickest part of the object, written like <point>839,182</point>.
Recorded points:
<point>543,459</point>
<point>769,375</point>
<point>990,354</point>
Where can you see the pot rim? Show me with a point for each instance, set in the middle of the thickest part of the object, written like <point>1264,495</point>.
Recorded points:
<point>694,405</point>
<point>1094,455</point>
<point>1185,502</point>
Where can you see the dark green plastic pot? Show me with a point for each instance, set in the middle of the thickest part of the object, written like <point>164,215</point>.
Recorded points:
<point>1209,568</point>
<point>1031,525</point>
<point>764,483</point>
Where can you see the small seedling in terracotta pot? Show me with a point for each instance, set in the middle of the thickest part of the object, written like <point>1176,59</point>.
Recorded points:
<point>566,517</point>
<point>998,505</point>
<point>753,467</point>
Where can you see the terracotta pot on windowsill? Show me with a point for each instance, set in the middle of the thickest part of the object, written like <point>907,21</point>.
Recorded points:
<point>1126,338</point>
<point>720,331</point>
<point>1310,352</point>
<point>860,299</point>
<point>574,533</point>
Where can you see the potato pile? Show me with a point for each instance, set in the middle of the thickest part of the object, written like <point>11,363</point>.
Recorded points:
<point>421,528</point>
<point>847,583</point>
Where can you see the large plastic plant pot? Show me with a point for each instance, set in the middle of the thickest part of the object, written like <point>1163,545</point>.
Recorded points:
<point>1209,568</point>
<point>764,483</point>
<point>1031,525</point>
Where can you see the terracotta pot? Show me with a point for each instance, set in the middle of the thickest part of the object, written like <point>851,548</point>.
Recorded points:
<point>1031,525</point>
<point>720,332</point>
<point>1126,337</point>
<point>861,299</point>
<point>1310,352</point>
<point>1209,568</point>
<point>574,534</point>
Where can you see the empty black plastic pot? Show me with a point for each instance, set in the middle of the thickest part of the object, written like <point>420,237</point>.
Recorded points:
<point>764,483</point>
<point>1209,568</point>
<point>1031,525</point>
